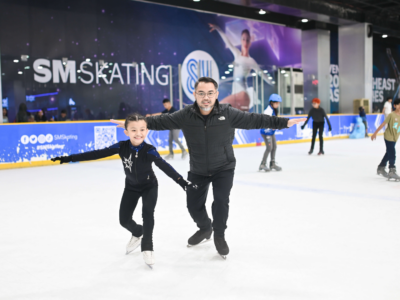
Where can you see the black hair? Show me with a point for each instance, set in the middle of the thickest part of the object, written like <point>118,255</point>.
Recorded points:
<point>166,100</point>
<point>389,98</point>
<point>275,109</point>
<point>206,80</point>
<point>22,108</point>
<point>360,108</point>
<point>396,102</point>
<point>135,117</point>
<point>246,31</point>
<point>63,111</point>
<point>6,111</point>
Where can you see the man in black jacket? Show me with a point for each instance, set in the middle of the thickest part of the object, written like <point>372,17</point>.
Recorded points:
<point>209,129</point>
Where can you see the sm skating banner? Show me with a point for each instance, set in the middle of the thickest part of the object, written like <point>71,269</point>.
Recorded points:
<point>110,59</point>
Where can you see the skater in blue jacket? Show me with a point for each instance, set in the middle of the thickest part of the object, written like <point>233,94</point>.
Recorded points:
<point>269,136</point>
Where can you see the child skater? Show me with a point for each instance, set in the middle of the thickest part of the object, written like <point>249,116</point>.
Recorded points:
<point>318,114</point>
<point>137,157</point>
<point>363,116</point>
<point>269,136</point>
<point>391,136</point>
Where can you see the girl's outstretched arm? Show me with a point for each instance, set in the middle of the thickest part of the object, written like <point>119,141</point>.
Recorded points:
<point>91,155</point>
<point>168,169</point>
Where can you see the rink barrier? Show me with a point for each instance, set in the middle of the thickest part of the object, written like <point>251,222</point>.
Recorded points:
<point>23,145</point>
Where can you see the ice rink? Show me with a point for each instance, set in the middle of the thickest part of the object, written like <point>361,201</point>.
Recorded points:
<point>324,228</point>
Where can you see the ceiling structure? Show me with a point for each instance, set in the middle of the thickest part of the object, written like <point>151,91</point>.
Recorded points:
<point>384,15</point>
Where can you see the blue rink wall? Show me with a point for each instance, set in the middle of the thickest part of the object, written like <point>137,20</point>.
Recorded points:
<point>35,143</point>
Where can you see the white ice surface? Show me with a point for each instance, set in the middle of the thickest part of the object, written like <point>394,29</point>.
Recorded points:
<point>323,228</point>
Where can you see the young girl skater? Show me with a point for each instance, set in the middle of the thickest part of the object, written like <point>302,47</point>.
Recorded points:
<point>391,136</point>
<point>137,157</point>
<point>269,135</point>
<point>318,114</point>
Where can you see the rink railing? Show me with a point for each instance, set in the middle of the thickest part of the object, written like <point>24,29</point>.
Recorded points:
<point>33,144</point>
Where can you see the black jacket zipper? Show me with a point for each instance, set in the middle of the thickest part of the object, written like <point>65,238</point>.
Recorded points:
<point>136,156</point>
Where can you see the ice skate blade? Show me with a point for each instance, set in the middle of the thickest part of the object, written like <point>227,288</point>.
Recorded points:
<point>129,252</point>
<point>150,266</point>
<point>202,242</point>
<point>223,256</point>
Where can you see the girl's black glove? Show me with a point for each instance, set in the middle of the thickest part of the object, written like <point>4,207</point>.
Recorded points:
<point>186,185</point>
<point>62,159</point>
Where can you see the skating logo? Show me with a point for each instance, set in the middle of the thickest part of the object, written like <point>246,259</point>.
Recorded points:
<point>221,118</point>
<point>128,163</point>
<point>197,63</point>
<point>104,136</point>
<point>33,139</point>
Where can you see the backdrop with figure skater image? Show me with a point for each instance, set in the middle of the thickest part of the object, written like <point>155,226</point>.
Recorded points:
<point>101,60</point>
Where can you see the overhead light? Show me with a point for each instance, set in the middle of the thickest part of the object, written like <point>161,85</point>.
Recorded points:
<point>253,74</point>
<point>384,36</point>
<point>16,60</point>
<point>20,72</point>
<point>269,77</point>
<point>262,12</point>
<point>87,59</point>
<point>40,67</point>
<point>65,60</point>
<point>223,77</point>
<point>286,75</point>
<point>283,71</point>
<point>273,82</point>
<point>230,66</point>
<point>265,71</point>
<point>226,72</point>
<point>142,63</point>
<point>304,20</point>
<point>196,0</point>
<point>230,70</point>
<point>27,67</point>
<point>24,57</point>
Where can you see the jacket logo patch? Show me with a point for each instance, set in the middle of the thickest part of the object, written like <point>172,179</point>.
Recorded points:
<point>221,118</point>
<point>128,163</point>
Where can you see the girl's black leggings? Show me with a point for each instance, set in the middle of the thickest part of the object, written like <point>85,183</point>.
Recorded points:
<point>127,207</point>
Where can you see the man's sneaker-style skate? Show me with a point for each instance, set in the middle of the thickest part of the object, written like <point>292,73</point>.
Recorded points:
<point>169,156</point>
<point>264,168</point>
<point>381,171</point>
<point>310,152</point>
<point>133,244</point>
<point>274,166</point>
<point>321,152</point>
<point>222,246</point>
<point>149,258</point>
<point>392,174</point>
<point>199,236</point>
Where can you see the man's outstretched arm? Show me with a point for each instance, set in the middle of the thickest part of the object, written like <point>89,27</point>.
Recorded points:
<point>245,120</point>
<point>160,122</point>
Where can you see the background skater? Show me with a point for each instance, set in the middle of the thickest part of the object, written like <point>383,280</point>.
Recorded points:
<point>174,133</point>
<point>318,114</point>
<point>269,136</point>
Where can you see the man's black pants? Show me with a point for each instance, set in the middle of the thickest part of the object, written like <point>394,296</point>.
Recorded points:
<point>127,207</point>
<point>318,126</point>
<point>196,200</point>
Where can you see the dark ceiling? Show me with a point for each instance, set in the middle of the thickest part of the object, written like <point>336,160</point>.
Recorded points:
<point>384,15</point>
